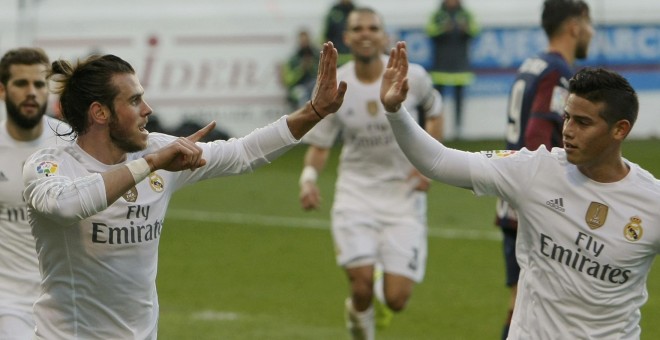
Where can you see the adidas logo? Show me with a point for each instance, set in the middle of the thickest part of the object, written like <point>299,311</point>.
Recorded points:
<point>557,204</point>
<point>3,178</point>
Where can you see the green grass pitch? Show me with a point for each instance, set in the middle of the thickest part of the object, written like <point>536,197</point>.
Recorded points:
<point>240,260</point>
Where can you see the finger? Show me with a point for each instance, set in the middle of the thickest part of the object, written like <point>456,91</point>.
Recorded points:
<point>197,160</point>
<point>395,54</point>
<point>319,71</point>
<point>200,164</point>
<point>396,50</point>
<point>390,61</point>
<point>195,137</point>
<point>404,86</point>
<point>404,57</point>
<point>191,152</point>
<point>331,67</point>
<point>401,45</point>
<point>186,148</point>
<point>322,60</point>
<point>332,63</point>
<point>401,53</point>
<point>327,56</point>
<point>341,90</point>
<point>333,55</point>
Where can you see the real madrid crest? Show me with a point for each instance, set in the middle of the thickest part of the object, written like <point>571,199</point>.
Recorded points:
<point>156,182</point>
<point>596,215</point>
<point>633,231</point>
<point>372,107</point>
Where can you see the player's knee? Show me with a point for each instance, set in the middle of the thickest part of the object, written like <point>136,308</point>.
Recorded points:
<point>362,283</point>
<point>397,301</point>
<point>362,296</point>
<point>362,288</point>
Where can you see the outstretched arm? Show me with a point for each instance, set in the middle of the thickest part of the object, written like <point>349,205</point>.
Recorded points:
<point>427,154</point>
<point>326,98</point>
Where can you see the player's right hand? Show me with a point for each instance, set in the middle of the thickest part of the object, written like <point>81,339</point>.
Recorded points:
<point>182,154</point>
<point>328,96</point>
<point>310,196</point>
<point>394,87</point>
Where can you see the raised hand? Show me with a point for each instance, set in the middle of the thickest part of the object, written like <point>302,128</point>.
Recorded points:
<point>394,88</point>
<point>328,96</point>
<point>182,153</point>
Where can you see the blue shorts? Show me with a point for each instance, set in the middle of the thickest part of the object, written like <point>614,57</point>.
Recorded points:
<point>510,262</point>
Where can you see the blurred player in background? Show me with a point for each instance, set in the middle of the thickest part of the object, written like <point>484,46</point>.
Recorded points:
<point>25,130</point>
<point>379,212</point>
<point>97,207</point>
<point>334,26</point>
<point>299,72</point>
<point>536,106</point>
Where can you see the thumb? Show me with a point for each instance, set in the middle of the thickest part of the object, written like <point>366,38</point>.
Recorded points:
<point>341,91</point>
<point>195,137</point>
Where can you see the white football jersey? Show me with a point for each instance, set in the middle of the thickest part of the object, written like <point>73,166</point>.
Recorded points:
<point>19,268</point>
<point>99,262</point>
<point>373,171</point>
<point>584,248</point>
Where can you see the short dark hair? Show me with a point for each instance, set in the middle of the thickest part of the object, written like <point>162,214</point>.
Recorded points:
<point>365,10</point>
<point>21,56</point>
<point>599,85</point>
<point>556,12</point>
<point>89,81</point>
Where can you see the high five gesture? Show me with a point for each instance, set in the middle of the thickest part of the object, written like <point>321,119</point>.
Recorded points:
<point>394,88</point>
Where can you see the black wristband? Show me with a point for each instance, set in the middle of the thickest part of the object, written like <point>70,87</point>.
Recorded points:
<point>314,109</point>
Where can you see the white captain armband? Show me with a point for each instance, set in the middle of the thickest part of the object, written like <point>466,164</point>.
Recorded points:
<point>139,169</point>
<point>309,174</point>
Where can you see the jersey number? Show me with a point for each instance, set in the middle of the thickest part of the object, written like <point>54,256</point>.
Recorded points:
<point>514,112</point>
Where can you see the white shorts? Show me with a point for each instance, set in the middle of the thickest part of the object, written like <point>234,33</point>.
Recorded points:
<point>399,245</point>
<point>16,327</point>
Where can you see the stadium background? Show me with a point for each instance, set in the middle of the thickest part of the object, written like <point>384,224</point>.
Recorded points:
<point>210,59</point>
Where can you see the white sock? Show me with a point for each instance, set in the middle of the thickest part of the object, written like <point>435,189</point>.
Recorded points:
<point>360,325</point>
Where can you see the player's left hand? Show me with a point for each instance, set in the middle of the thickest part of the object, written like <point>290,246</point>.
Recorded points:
<point>420,182</point>
<point>394,88</point>
<point>310,196</point>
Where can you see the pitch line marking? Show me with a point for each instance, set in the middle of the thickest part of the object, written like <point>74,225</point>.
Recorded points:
<point>319,224</point>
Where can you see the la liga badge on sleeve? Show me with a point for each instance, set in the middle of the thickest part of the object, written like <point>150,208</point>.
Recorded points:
<point>47,168</point>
